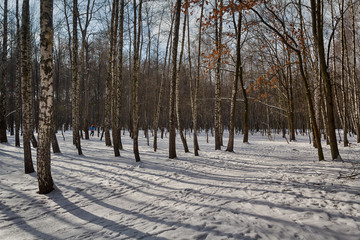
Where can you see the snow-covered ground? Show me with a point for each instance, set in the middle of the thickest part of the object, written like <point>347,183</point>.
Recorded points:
<point>265,190</point>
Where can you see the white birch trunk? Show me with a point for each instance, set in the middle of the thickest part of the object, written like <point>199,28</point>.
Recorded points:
<point>46,98</point>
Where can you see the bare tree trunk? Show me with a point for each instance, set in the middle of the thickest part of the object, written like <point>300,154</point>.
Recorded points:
<point>54,141</point>
<point>107,112</point>
<point>71,57</point>
<point>87,92</point>
<point>18,79</point>
<point>312,114</point>
<point>3,124</point>
<point>354,82</point>
<point>323,117</point>
<point>172,119</point>
<point>83,79</point>
<point>343,88</point>
<point>75,82</point>
<point>33,139</point>
<point>317,25</point>
<point>246,109</point>
<point>26,86</point>
<point>108,91</point>
<point>156,118</point>
<point>230,146</point>
<point>268,127</point>
<point>161,90</point>
<point>315,128</point>
<point>45,180</point>
<point>218,42</point>
<point>120,76</point>
<point>290,102</point>
<point>197,85</point>
<point>147,72</point>
<point>137,29</point>
<point>177,94</point>
<point>113,65</point>
<point>318,93</point>
<point>54,126</point>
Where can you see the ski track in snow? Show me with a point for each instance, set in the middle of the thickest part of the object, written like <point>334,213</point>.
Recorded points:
<point>265,190</point>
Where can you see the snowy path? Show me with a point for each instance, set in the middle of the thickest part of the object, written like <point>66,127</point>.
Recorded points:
<point>266,190</point>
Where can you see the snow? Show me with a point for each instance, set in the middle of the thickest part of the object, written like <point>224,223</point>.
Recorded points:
<point>265,190</point>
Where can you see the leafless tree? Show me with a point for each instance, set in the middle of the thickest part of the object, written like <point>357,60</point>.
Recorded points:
<point>3,137</point>
<point>75,81</point>
<point>46,97</point>
<point>27,125</point>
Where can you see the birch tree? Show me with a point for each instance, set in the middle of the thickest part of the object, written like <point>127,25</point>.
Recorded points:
<point>18,77</point>
<point>218,46</point>
<point>75,81</point>
<point>46,97</point>
<point>109,81</point>
<point>135,77</point>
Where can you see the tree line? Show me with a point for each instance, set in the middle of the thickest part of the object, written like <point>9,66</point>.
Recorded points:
<point>180,67</point>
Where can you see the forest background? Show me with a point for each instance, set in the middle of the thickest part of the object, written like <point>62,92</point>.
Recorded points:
<point>241,66</point>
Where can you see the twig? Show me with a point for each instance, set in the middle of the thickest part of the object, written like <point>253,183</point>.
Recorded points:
<point>352,176</point>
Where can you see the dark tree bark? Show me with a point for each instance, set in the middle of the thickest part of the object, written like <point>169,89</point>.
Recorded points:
<point>26,86</point>
<point>217,109</point>
<point>113,76</point>
<point>33,139</point>
<point>341,92</point>
<point>120,74</point>
<point>75,82</point>
<point>109,80</point>
<point>177,93</point>
<point>290,103</point>
<point>230,146</point>
<point>354,82</point>
<point>18,78</point>
<point>3,137</point>
<point>161,88</point>
<point>246,109</point>
<point>172,112</point>
<point>54,141</point>
<point>317,27</point>
<point>197,85</point>
<point>136,59</point>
